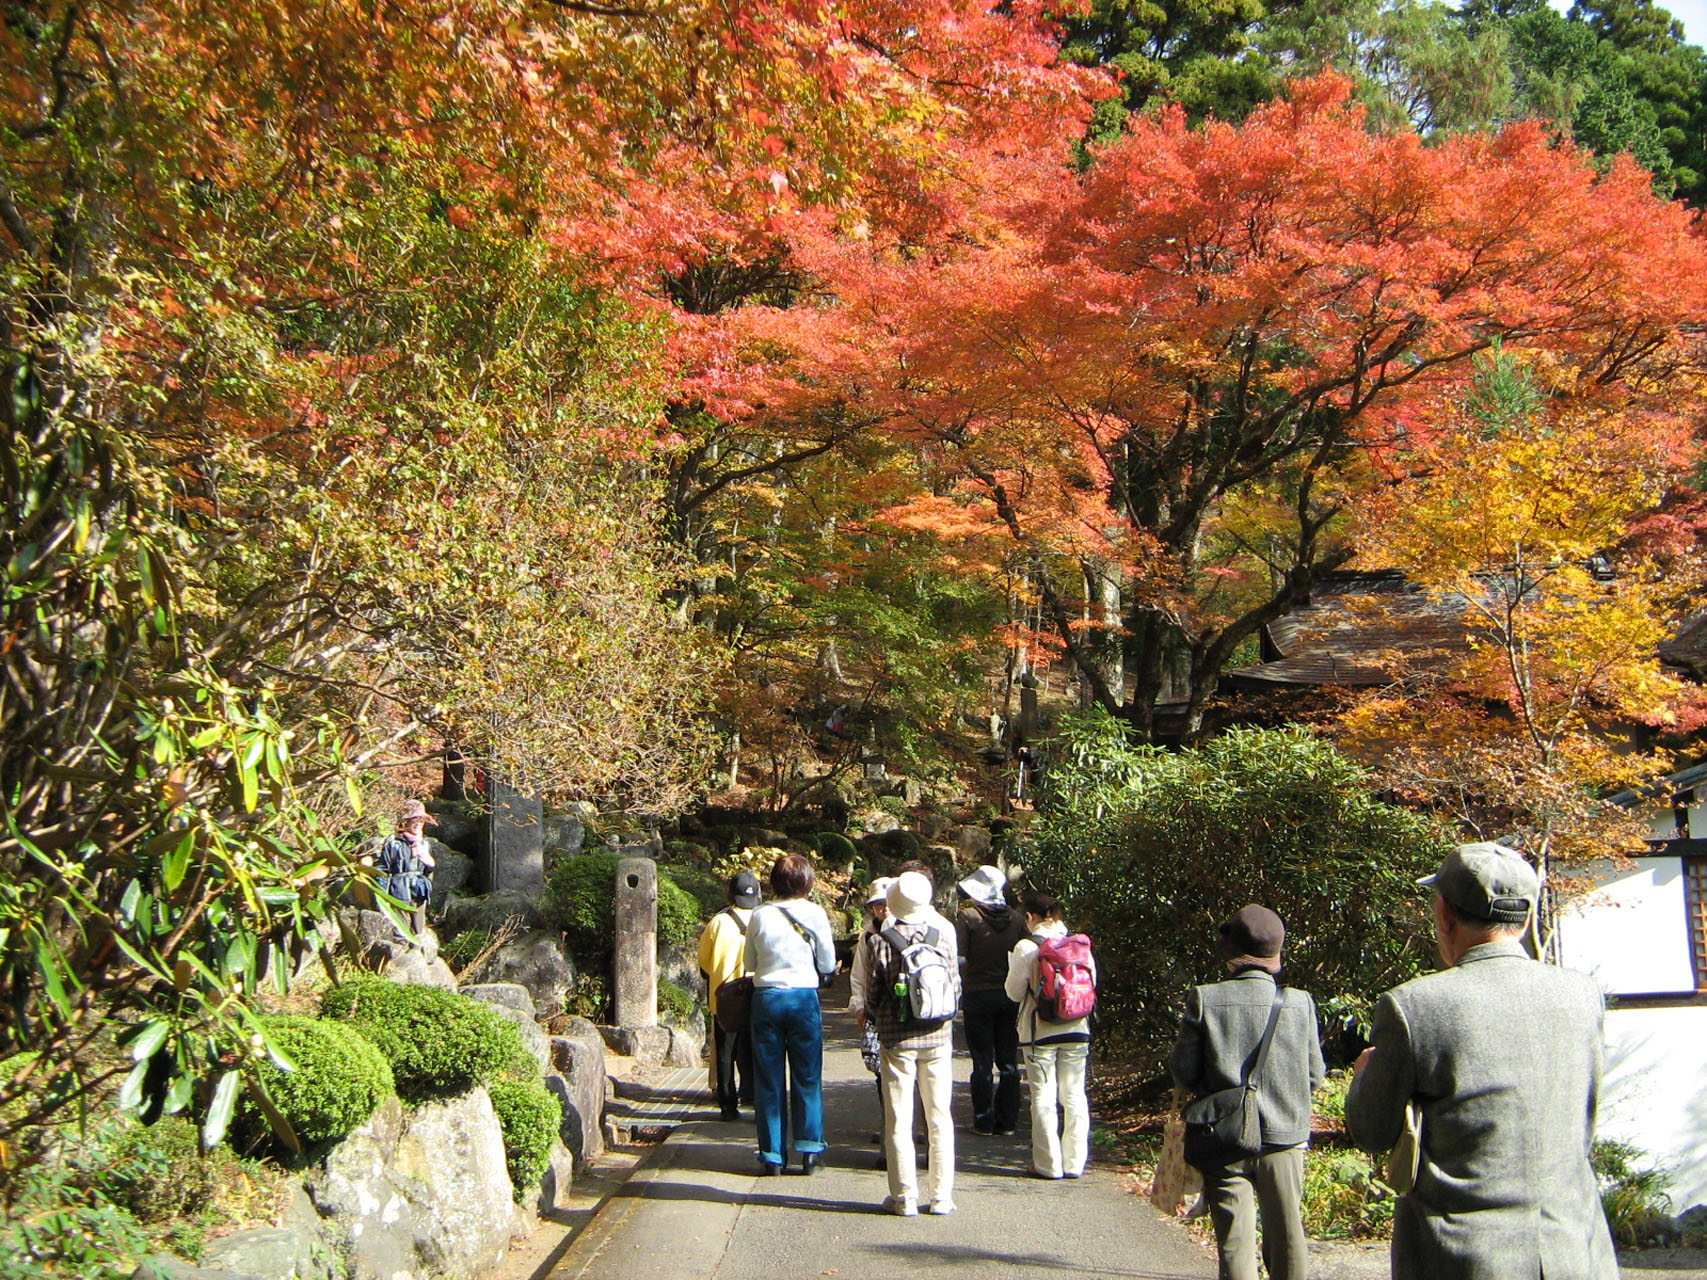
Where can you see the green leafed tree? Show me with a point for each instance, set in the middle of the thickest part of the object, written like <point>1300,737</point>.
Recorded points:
<point>1151,849</point>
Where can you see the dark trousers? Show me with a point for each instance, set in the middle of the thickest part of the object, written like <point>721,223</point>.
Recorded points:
<point>992,1038</point>
<point>734,1055</point>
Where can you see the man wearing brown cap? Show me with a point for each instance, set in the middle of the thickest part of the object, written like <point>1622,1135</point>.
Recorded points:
<point>1501,1055</point>
<point>1219,1037</point>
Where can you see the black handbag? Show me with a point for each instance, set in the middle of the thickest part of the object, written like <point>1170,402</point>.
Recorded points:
<point>1225,1126</point>
<point>735,1004</point>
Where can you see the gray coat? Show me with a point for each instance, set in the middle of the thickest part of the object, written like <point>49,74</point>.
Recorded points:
<point>1502,1054</point>
<point>1218,1040</point>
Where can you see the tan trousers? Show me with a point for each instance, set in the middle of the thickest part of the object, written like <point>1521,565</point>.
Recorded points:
<point>1272,1184</point>
<point>1060,1108</point>
<point>934,1071</point>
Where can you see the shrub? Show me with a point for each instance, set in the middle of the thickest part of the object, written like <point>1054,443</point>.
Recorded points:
<point>530,1116</point>
<point>340,1076</point>
<point>1151,850</point>
<point>710,894</point>
<point>105,1195</point>
<point>835,847</point>
<point>1344,1199</point>
<point>439,1043</point>
<point>676,1005</point>
<point>1638,1208</point>
<point>578,897</point>
<point>588,997</point>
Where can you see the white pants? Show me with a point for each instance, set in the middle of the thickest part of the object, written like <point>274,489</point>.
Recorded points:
<point>1059,1144</point>
<point>934,1070</point>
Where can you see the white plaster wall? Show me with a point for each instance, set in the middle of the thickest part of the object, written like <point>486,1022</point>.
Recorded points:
<point>1632,930</point>
<point>1654,1092</point>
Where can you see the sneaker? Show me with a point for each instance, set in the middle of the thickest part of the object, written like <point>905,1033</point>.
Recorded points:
<point>941,1208</point>
<point>901,1206</point>
<point>978,1126</point>
<point>1072,1175</point>
<point>1035,1172</point>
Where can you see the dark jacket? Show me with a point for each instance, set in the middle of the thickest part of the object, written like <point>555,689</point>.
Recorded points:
<point>1218,1040</point>
<point>402,874</point>
<point>986,935</point>
<point>1503,1056</point>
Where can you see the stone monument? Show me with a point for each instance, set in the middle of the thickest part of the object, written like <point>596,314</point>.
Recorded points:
<point>515,845</point>
<point>635,962</point>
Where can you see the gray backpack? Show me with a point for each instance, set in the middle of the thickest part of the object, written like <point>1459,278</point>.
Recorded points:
<point>924,983</point>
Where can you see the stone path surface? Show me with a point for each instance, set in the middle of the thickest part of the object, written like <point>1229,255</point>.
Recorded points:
<point>697,1209</point>
<point>693,1209</point>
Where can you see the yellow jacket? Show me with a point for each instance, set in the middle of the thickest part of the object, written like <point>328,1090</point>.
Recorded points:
<point>722,948</point>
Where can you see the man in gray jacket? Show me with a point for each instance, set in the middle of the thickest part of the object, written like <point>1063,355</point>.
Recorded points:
<point>1218,1039</point>
<point>1502,1056</point>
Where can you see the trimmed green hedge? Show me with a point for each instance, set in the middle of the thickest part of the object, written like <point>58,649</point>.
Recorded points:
<point>530,1116</point>
<point>439,1043</point>
<point>579,894</point>
<point>340,1076</point>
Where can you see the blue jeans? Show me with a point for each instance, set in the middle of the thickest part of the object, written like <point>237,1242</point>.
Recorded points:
<point>788,1063</point>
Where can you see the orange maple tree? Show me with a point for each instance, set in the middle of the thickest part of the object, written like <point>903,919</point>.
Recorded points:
<point>1163,380</point>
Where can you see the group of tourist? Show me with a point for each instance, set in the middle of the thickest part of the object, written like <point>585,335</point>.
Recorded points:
<point>1480,1082</point>
<point>984,963</point>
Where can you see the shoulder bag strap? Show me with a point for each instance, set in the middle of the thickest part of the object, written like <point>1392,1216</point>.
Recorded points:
<point>1267,1036</point>
<point>730,912</point>
<point>806,935</point>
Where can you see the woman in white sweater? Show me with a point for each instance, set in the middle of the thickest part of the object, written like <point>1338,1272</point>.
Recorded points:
<point>789,944</point>
<point>1056,1054</point>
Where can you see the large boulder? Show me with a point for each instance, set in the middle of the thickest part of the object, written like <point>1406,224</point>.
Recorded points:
<point>555,1184</point>
<point>450,1166</point>
<point>411,968</point>
<point>655,1046</point>
<point>486,913</point>
<point>508,994</point>
<point>299,1248</point>
<point>973,843</point>
<point>353,1188</point>
<point>451,876</point>
<point>565,834</point>
<point>537,961</point>
<point>456,829</point>
<point>578,1080</point>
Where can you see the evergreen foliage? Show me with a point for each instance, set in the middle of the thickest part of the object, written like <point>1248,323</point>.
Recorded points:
<point>439,1043</point>
<point>1150,850</point>
<point>338,1076</point>
<point>579,897</point>
<point>530,1116</point>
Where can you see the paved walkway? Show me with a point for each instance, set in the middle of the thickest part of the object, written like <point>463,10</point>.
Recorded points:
<point>695,1210</point>
<point>698,1209</point>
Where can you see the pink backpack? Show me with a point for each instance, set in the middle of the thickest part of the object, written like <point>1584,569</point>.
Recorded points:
<point>1066,983</point>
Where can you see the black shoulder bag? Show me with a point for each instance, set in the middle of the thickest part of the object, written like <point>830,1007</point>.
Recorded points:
<point>1224,1126</point>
